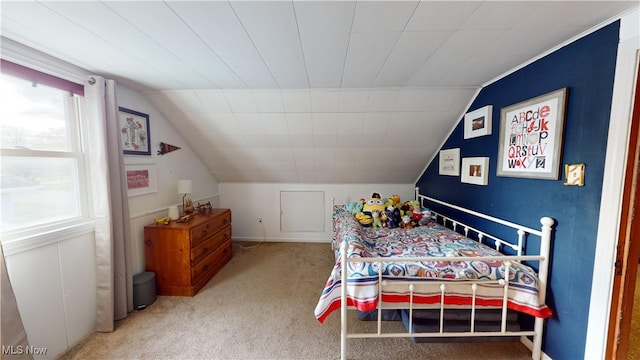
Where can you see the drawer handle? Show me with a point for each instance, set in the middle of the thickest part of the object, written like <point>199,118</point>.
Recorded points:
<point>204,233</point>
<point>205,268</point>
<point>147,242</point>
<point>226,250</point>
<point>204,251</point>
<point>224,221</point>
<point>226,236</point>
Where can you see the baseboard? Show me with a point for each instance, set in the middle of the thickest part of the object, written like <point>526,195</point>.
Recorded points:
<point>529,344</point>
<point>256,239</point>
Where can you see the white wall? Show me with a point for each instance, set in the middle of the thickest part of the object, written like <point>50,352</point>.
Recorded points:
<point>170,167</point>
<point>250,201</point>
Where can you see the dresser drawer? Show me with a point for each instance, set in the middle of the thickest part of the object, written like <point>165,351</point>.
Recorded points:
<point>210,244</point>
<point>201,232</point>
<point>215,260</point>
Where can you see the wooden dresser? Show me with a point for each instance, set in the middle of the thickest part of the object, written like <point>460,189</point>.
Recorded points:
<point>185,256</point>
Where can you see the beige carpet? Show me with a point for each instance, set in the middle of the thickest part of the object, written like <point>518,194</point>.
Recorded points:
<point>260,306</point>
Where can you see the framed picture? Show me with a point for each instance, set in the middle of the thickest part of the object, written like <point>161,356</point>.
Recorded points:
<point>134,132</point>
<point>475,170</point>
<point>449,163</point>
<point>531,133</point>
<point>478,122</point>
<point>141,179</point>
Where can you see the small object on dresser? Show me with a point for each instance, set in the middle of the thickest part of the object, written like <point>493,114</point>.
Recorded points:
<point>174,214</point>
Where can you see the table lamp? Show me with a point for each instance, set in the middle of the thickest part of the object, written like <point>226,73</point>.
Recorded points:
<point>184,187</point>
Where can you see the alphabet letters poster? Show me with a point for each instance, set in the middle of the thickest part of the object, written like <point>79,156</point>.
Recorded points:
<point>531,137</point>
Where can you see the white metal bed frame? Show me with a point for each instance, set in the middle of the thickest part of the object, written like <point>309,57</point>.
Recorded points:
<point>522,231</point>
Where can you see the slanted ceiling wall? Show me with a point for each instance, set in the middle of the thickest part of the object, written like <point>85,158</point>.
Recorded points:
<point>587,68</point>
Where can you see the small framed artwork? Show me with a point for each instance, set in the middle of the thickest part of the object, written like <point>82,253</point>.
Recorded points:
<point>531,133</point>
<point>141,179</point>
<point>475,170</point>
<point>449,162</point>
<point>478,122</point>
<point>134,132</point>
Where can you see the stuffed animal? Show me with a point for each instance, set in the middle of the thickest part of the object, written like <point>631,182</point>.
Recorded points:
<point>396,199</point>
<point>371,205</point>
<point>364,219</point>
<point>406,223</point>
<point>426,217</point>
<point>377,222</point>
<point>354,207</point>
<point>392,223</point>
<point>416,214</point>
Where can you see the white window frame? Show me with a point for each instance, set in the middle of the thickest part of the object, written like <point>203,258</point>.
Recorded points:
<point>29,237</point>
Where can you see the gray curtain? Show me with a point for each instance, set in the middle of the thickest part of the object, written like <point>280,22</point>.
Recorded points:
<point>14,338</point>
<point>110,204</point>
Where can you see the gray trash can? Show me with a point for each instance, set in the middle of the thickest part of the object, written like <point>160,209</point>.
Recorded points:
<point>144,290</point>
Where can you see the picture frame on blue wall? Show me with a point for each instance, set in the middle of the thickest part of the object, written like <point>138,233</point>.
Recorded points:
<point>475,170</point>
<point>449,162</point>
<point>531,137</point>
<point>478,122</point>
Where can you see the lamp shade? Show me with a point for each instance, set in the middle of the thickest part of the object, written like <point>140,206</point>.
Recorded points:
<point>184,186</point>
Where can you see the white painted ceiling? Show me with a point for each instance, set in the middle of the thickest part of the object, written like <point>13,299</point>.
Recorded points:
<point>305,91</point>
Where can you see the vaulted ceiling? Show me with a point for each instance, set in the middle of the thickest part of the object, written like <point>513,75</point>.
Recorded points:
<point>305,91</point>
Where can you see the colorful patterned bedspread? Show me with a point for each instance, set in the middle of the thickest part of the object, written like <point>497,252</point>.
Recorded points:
<point>432,240</point>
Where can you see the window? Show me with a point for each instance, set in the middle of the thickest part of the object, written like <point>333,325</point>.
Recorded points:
<point>42,163</point>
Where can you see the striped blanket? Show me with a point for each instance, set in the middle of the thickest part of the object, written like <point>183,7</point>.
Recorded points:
<point>432,240</point>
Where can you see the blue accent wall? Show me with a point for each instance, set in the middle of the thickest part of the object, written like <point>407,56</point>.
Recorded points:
<point>586,67</point>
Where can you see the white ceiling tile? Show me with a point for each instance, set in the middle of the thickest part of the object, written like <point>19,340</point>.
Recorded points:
<point>350,123</point>
<point>409,53</point>
<point>324,154</point>
<point>212,16</point>
<point>249,123</point>
<point>213,101</point>
<point>305,167</point>
<point>241,101</point>
<point>325,101</point>
<point>256,139</point>
<point>441,15</point>
<point>286,166</point>
<point>274,17</point>
<point>375,125</point>
<point>244,59</point>
<point>296,101</point>
<point>274,123</point>
<point>382,100</point>
<point>324,55</point>
<point>278,140</point>
<point>268,101</point>
<point>353,100</point>
<point>169,30</point>
<point>365,57</point>
<point>325,140</point>
<point>283,153</point>
<point>283,56</point>
<point>324,16</point>
<point>376,16</point>
<point>262,154</point>
<point>301,140</point>
<point>412,99</point>
<point>299,123</point>
<point>324,123</point>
